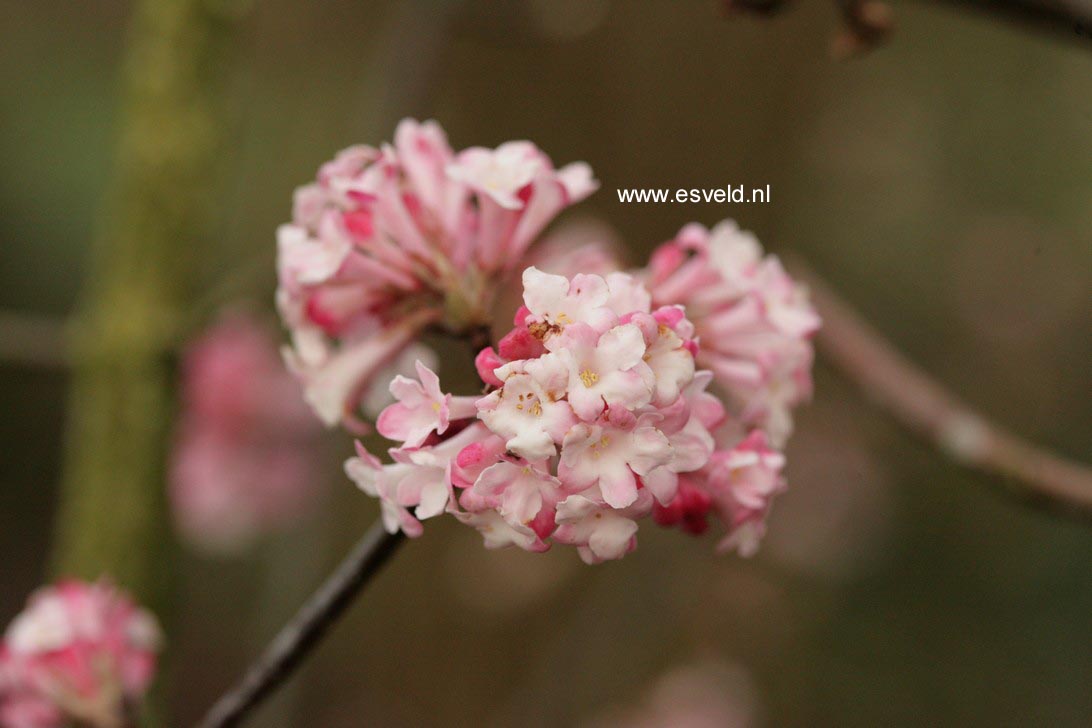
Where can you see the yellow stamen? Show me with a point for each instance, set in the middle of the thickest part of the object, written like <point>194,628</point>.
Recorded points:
<point>588,377</point>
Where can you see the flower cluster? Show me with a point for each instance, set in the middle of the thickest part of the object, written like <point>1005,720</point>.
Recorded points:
<point>755,323</point>
<point>595,417</point>
<point>244,459</point>
<point>666,393</point>
<point>388,241</point>
<point>79,653</point>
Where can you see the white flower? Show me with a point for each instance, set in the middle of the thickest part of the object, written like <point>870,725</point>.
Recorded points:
<point>557,302</point>
<point>498,173</point>
<point>605,370</point>
<point>518,491</point>
<point>600,533</point>
<point>525,413</point>
<point>421,409</point>
<point>611,457</point>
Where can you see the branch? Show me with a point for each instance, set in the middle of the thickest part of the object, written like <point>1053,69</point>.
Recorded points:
<point>867,22</point>
<point>112,514</point>
<point>299,637</point>
<point>1028,472</point>
<point>1071,18</point>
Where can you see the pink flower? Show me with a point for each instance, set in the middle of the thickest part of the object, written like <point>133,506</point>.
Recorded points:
<point>421,409</point>
<point>608,458</point>
<point>381,481</point>
<point>498,174</point>
<point>526,412</point>
<point>705,694</point>
<point>739,484</point>
<point>595,414</point>
<point>335,381</point>
<point>555,301</point>
<point>600,533</point>
<point>584,245</point>
<point>605,370</point>
<point>243,461</point>
<point>78,652</point>
<point>753,321</point>
<point>589,426</point>
<point>388,241</point>
<point>497,532</point>
<point>378,395</point>
<point>522,494</point>
<point>419,478</point>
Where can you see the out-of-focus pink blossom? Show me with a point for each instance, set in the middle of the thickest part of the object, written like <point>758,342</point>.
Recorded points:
<point>244,459</point>
<point>704,694</point>
<point>78,652</point>
<point>388,241</point>
<point>584,245</point>
<point>738,486</point>
<point>753,322</point>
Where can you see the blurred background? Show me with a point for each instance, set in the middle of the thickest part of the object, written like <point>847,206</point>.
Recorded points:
<point>943,183</point>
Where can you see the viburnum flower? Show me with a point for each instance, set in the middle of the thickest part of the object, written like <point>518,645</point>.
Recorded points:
<point>244,460</point>
<point>421,409</point>
<point>594,418</point>
<point>78,653</point>
<point>389,241</point>
<point>667,392</point>
<point>753,321</point>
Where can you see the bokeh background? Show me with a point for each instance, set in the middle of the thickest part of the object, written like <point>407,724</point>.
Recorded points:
<point>943,183</point>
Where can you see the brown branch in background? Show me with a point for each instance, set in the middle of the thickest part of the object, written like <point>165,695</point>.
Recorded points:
<point>867,23</point>
<point>1072,18</point>
<point>922,405</point>
<point>300,636</point>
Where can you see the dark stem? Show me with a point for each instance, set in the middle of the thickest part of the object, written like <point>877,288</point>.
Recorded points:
<point>1064,18</point>
<point>299,637</point>
<point>1071,18</point>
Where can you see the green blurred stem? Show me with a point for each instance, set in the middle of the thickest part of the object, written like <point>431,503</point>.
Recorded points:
<point>112,518</point>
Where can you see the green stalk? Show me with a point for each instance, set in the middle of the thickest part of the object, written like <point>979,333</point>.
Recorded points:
<point>112,516</point>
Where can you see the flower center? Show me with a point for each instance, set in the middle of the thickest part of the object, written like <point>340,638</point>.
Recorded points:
<point>588,377</point>
<point>532,403</point>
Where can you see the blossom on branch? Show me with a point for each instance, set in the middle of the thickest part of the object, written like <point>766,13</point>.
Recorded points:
<point>80,653</point>
<point>390,240</point>
<point>595,417</point>
<point>753,321</point>
<point>667,392</point>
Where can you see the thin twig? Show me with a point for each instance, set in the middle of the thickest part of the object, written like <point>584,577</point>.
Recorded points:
<point>1070,19</point>
<point>1028,472</point>
<point>296,639</point>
